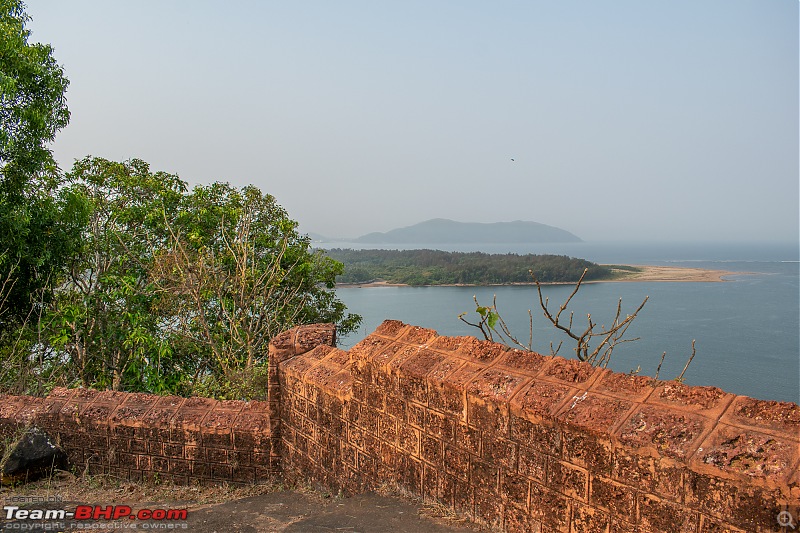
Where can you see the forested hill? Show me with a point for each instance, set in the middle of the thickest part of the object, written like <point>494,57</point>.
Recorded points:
<point>443,231</point>
<point>434,267</point>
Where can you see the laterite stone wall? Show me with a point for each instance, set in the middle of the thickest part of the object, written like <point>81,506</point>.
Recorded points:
<point>520,441</point>
<point>147,437</point>
<point>532,443</point>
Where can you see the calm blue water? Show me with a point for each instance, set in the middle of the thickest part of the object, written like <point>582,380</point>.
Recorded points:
<point>747,329</point>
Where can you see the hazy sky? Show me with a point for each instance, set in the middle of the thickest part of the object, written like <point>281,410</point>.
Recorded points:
<point>662,119</point>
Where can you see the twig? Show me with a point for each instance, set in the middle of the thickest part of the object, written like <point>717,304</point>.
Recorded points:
<point>680,378</point>
<point>663,355</point>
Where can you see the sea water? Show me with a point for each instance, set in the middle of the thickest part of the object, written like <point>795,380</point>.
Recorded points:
<point>747,329</point>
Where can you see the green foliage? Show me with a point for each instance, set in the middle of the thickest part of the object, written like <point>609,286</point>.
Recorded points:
<point>33,106</point>
<point>173,290</point>
<point>38,224</point>
<point>434,267</point>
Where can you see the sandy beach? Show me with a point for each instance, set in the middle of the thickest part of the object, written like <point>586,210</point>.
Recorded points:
<point>645,273</point>
<point>669,273</point>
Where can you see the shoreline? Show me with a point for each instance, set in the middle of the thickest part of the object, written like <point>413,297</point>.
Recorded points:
<point>648,273</point>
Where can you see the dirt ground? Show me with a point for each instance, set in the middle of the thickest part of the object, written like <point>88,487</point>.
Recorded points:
<point>224,509</point>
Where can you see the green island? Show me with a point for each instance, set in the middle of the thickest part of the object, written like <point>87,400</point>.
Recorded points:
<point>436,267</point>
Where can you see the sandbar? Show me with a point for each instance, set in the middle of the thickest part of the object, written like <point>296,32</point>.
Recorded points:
<point>671,273</point>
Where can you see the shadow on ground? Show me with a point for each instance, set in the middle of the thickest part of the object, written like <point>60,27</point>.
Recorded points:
<point>295,512</point>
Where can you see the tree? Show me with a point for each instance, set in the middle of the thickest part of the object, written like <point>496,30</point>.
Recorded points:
<point>236,273</point>
<point>33,105</point>
<point>103,324</point>
<point>36,235</point>
<point>180,291</point>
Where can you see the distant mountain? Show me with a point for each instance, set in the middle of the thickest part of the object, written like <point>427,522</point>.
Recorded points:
<point>443,231</point>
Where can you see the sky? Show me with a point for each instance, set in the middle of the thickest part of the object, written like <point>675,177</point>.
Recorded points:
<point>665,120</point>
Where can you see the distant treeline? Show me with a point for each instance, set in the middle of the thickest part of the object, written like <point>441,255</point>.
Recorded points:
<point>434,267</point>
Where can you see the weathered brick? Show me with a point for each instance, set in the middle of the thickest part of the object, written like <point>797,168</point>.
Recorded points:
<point>661,515</point>
<point>777,418</point>
<point>432,450</point>
<point>533,464</point>
<point>571,371</point>
<point>612,496</point>
<point>747,453</point>
<point>663,432</point>
<point>751,508</point>
<point>546,438</point>
<point>588,519</point>
<point>514,488</point>
<point>456,462</point>
<point>550,507</point>
<point>592,451</point>
<point>468,438</point>
<point>484,475</point>
<point>568,479</point>
<point>501,452</point>
<point>490,416</point>
<point>539,400</point>
<point>439,425</point>
<point>408,439</point>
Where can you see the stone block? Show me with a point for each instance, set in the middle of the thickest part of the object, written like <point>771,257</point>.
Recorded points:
<point>456,462</point>
<point>571,372</point>
<point>417,335</point>
<point>540,400</point>
<point>310,336</point>
<point>523,362</point>
<point>542,437</point>
<point>514,489</point>
<point>533,464</point>
<point>477,350</point>
<point>776,418</point>
<point>11,405</point>
<point>707,401</point>
<point>594,413</point>
<point>549,507</point>
<point>568,479</point>
<point>661,515</point>
<point>468,438</point>
<point>449,364</point>
<point>439,425</point>
<point>490,415</point>
<point>737,503</point>
<point>630,387</point>
<point>371,347</point>
<point>501,452</point>
<point>709,525</point>
<point>588,519</point>
<point>390,328</point>
<point>747,454</point>
<point>408,439</point>
<point>592,451</point>
<point>659,476</point>
<point>664,432</point>
<point>432,450</point>
<point>518,520</point>
<point>496,384</point>
<point>618,499</point>
<point>447,398</point>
